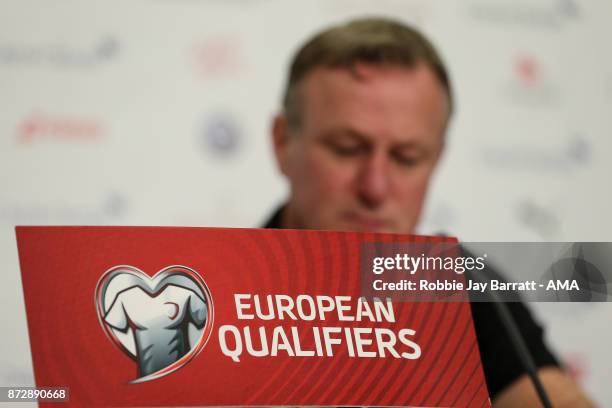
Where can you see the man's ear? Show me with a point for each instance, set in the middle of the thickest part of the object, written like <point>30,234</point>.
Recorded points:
<point>280,141</point>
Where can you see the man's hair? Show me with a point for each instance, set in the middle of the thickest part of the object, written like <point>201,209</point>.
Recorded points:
<point>379,41</point>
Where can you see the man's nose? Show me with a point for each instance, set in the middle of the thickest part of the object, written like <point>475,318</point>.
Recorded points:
<point>373,180</point>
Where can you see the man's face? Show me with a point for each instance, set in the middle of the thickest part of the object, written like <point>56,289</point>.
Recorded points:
<point>368,143</point>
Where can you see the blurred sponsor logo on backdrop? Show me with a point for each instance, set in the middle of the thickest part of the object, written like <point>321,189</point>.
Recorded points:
<point>41,126</point>
<point>221,135</point>
<point>572,153</point>
<point>527,82</point>
<point>412,11</point>
<point>111,207</point>
<point>569,8</point>
<point>527,70</point>
<point>219,57</point>
<point>546,15</point>
<point>539,218</point>
<point>54,54</point>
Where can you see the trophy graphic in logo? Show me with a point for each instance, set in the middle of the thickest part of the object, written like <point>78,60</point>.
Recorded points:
<point>161,322</point>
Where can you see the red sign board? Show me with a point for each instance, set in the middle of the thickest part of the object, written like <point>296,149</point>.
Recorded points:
<point>158,316</point>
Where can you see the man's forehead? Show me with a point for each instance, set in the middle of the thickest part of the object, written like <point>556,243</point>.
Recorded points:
<point>389,81</point>
<point>364,72</point>
<point>404,97</point>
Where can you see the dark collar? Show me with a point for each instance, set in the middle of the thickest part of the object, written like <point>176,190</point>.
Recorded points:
<point>275,221</point>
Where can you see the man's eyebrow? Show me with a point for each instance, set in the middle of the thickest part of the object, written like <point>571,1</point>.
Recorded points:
<point>408,145</point>
<point>366,138</point>
<point>339,132</point>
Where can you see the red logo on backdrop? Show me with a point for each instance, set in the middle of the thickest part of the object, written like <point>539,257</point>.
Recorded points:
<point>161,322</point>
<point>38,126</point>
<point>219,57</point>
<point>527,70</point>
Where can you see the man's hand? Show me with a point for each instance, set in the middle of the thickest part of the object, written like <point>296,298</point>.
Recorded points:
<point>561,389</point>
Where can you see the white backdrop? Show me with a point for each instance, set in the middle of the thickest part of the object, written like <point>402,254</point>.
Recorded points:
<point>156,112</point>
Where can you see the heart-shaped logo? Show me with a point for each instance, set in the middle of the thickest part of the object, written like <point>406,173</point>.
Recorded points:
<point>160,322</point>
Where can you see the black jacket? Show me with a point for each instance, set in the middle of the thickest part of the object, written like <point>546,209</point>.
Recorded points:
<point>500,363</point>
